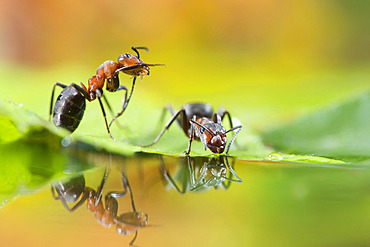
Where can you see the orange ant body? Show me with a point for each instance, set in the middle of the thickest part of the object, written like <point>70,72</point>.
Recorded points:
<point>70,105</point>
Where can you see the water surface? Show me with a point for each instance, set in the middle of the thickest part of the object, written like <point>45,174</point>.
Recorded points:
<point>276,205</point>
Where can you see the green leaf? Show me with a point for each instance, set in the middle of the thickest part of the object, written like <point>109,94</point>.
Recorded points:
<point>17,122</point>
<point>341,131</point>
<point>28,126</point>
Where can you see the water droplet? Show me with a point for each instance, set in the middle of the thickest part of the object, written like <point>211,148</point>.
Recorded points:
<point>66,141</point>
<point>275,156</point>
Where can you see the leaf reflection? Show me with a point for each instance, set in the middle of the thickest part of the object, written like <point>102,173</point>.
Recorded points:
<point>74,191</point>
<point>196,174</point>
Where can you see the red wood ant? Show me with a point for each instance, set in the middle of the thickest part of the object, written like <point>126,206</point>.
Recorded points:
<point>70,105</point>
<point>200,123</point>
<point>74,191</point>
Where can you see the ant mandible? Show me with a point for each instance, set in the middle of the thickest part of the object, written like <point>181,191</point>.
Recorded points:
<point>74,191</point>
<point>200,123</point>
<point>70,105</point>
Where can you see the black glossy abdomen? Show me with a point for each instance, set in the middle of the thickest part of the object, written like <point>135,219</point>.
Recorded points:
<point>198,109</point>
<point>69,109</point>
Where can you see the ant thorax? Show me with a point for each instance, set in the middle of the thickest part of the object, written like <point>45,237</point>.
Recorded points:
<point>107,69</point>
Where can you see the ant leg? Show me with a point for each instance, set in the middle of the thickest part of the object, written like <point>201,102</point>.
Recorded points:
<point>169,108</point>
<point>111,110</point>
<point>237,128</point>
<point>217,118</point>
<point>123,105</point>
<point>168,177</point>
<point>135,49</point>
<point>198,183</point>
<point>126,100</point>
<point>56,197</point>
<point>128,187</point>
<point>161,118</point>
<point>52,97</point>
<point>82,91</point>
<point>112,83</point>
<point>181,111</point>
<point>119,194</point>
<point>191,136</point>
<point>191,170</point>
<point>99,191</point>
<point>179,121</point>
<point>108,105</point>
<point>79,203</point>
<point>222,113</point>
<point>99,93</point>
<point>133,240</point>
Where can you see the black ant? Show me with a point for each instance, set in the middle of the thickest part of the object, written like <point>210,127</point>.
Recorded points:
<point>200,123</point>
<point>70,105</point>
<point>201,173</point>
<point>74,191</point>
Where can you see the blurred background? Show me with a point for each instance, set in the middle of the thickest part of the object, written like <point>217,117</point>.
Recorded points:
<point>266,61</point>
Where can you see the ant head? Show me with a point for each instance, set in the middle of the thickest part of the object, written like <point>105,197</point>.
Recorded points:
<point>132,65</point>
<point>214,136</point>
<point>126,60</point>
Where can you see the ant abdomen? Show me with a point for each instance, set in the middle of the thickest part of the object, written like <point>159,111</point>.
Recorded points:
<point>69,109</point>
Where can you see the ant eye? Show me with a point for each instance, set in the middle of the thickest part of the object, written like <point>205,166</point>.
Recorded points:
<point>123,58</point>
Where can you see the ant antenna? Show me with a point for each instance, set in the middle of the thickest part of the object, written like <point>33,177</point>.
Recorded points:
<point>135,49</point>
<point>237,127</point>
<point>201,125</point>
<point>232,140</point>
<point>239,180</point>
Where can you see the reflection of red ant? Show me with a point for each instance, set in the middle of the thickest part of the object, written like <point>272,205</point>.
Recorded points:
<point>74,191</point>
<point>70,105</point>
<point>200,123</point>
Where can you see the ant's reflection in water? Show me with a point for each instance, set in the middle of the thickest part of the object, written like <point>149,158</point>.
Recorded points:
<point>201,174</point>
<point>75,191</point>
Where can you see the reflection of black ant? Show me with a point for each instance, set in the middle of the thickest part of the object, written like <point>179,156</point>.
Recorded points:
<point>74,191</point>
<point>201,173</point>
<point>199,122</point>
<point>70,105</point>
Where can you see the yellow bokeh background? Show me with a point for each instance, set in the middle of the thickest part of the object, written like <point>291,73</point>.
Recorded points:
<point>265,60</point>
